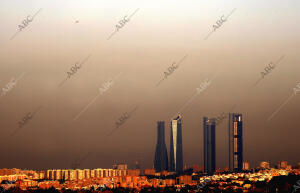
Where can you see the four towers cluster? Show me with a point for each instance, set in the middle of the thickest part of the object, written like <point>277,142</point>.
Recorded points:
<point>175,164</point>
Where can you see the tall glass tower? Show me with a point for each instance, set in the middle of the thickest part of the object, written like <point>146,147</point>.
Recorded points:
<point>209,138</point>
<point>161,154</point>
<point>235,142</point>
<point>176,155</point>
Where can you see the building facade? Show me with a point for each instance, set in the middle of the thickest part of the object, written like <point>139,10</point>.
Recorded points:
<point>120,166</point>
<point>209,139</point>
<point>264,165</point>
<point>161,154</point>
<point>246,166</point>
<point>176,154</point>
<point>235,142</point>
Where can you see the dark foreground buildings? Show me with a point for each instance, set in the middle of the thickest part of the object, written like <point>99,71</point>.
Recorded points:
<point>209,139</point>
<point>176,155</point>
<point>161,154</point>
<point>235,142</point>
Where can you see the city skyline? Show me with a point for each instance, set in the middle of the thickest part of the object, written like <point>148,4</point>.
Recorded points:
<point>71,92</point>
<point>264,179</point>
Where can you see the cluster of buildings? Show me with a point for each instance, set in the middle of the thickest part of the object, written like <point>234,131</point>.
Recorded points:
<point>168,171</point>
<point>79,174</point>
<point>247,182</point>
<point>175,164</point>
<point>120,176</point>
<point>280,165</point>
<point>110,178</point>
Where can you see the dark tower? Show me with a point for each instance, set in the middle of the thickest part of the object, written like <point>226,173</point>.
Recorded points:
<point>235,142</point>
<point>176,155</point>
<point>209,138</point>
<point>161,154</point>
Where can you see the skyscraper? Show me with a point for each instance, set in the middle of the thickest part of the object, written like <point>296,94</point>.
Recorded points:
<point>176,155</point>
<point>161,154</point>
<point>235,142</point>
<point>209,138</point>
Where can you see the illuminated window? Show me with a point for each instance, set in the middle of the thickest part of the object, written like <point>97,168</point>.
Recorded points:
<point>235,161</point>
<point>235,145</point>
<point>235,131</point>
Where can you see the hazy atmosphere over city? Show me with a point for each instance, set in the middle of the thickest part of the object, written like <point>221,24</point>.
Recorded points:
<point>83,90</point>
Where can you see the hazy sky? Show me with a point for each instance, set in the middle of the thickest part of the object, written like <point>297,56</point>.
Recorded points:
<point>159,33</point>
